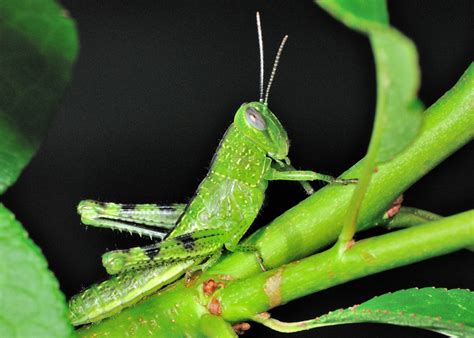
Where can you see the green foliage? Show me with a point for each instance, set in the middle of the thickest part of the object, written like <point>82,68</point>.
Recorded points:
<point>329,268</point>
<point>444,311</point>
<point>398,113</point>
<point>398,117</point>
<point>31,303</point>
<point>38,46</point>
<point>408,217</point>
<point>358,14</point>
<point>403,150</point>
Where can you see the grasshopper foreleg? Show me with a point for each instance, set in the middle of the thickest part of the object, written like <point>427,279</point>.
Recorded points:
<point>304,175</point>
<point>286,166</point>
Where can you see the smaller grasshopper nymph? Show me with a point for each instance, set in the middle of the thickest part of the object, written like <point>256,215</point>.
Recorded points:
<point>253,151</point>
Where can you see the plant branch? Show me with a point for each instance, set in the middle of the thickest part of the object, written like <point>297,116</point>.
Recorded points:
<point>408,217</point>
<point>242,299</point>
<point>316,222</point>
<point>411,307</point>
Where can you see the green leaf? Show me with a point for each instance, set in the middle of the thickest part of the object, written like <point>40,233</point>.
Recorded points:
<point>38,46</point>
<point>398,109</point>
<point>31,304</point>
<point>450,312</point>
<point>445,311</point>
<point>398,114</point>
<point>358,14</point>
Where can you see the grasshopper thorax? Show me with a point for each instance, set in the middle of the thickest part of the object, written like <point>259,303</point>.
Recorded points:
<point>256,121</point>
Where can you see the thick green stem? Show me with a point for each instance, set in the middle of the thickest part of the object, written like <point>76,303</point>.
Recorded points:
<point>317,221</point>
<point>214,326</point>
<point>242,299</point>
<point>408,217</point>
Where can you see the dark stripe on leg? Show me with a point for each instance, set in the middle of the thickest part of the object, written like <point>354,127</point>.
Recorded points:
<point>128,207</point>
<point>187,241</point>
<point>152,253</point>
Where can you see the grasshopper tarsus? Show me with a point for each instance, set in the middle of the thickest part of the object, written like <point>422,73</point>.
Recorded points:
<point>346,181</point>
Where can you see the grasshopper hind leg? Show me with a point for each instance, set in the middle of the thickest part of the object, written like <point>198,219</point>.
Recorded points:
<point>143,219</point>
<point>199,244</point>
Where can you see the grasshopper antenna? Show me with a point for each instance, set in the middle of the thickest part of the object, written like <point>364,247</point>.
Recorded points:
<point>275,66</point>
<point>260,47</point>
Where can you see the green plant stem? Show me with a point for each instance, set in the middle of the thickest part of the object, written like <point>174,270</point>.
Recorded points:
<point>413,307</point>
<point>349,226</point>
<point>408,217</point>
<point>317,221</point>
<point>215,326</point>
<point>242,299</point>
<point>314,223</point>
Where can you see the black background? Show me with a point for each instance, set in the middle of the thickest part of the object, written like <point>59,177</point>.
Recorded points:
<point>158,82</point>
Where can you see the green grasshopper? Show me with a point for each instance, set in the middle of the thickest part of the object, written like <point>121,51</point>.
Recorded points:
<point>253,151</point>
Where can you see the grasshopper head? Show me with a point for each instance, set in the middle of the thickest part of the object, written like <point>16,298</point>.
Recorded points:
<point>256,121</point>
<point>262,127</point>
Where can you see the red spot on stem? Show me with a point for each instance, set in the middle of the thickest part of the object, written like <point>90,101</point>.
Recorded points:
<point>395,207</point>
<point>240,328</point>
<point>214,307</point>
<point>210,286</point>
<point>350,244</point>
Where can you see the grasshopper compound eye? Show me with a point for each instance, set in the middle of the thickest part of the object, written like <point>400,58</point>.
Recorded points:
<point>255,119</point>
